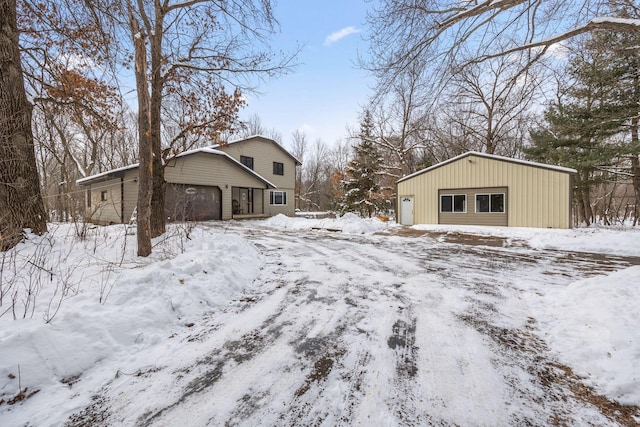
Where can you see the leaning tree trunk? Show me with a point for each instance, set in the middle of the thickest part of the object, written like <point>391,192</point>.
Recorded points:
<point>21,203</point>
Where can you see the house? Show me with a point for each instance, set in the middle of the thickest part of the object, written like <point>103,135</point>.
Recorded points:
<point>484,189</point>
<point>248,178</point>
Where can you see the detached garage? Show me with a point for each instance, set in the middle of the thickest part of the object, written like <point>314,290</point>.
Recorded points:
<point>484,189</point>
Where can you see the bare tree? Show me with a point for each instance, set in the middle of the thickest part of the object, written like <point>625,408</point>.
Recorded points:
<point>298,149</point>
<point>190,52</point>
<point>491,103</point>
<point>21,203</point>
<point>400,121</point>
<point>439,32</point>
<point>254,126</point>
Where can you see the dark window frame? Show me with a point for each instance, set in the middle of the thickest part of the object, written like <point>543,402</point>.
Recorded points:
<point>247,161</point>
<point>104,195</point>
<point>453,203</point>
<point>278,168</point>
<point>495,203</point>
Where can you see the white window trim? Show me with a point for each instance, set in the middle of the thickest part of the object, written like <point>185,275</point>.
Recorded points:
<point>453,211</point>
<point>272,196</point>
<point>504,203</point>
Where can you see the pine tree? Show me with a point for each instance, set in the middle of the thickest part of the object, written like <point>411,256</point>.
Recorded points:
<point>361,186</point>
<point>584,124</point>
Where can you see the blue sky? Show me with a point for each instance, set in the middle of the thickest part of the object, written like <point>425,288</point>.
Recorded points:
<point>324,94</point>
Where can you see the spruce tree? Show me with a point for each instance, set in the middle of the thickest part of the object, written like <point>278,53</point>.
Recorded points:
<point>361,185</point>
<point>583,126</point>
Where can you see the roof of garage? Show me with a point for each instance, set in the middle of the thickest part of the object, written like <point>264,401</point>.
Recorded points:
<point>493,157</point>
<point>115,173</point>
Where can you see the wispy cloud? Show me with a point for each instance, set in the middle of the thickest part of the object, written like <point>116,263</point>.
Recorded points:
<point>334,37</point>
<point>306,128</point>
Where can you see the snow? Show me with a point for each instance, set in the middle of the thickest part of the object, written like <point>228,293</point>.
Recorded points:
<point>594,327</point>
<point>138,330</point>
<point>348,223</point>
<point>595,239</point>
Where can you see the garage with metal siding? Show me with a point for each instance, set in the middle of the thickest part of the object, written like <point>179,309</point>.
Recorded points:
<point>490,190</point>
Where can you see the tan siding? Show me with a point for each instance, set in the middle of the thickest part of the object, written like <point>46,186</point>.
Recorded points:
<point>208,169</point>
<point>537,197</point>
<point>107,211</point>
<point>211,170</point>
<point>264,153</point>
<point>130,193</point>
<point>287,209</point>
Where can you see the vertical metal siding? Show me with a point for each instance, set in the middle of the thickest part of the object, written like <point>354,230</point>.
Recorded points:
<point>538,197</point>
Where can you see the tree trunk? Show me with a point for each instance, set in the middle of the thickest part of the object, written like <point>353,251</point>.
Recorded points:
<point>635,166</point>
<point>159,187</point>
<point>145,154</point>
<point>583,216</point>
<point>21,204</point>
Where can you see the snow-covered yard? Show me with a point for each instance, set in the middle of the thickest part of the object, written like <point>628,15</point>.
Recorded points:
<point>282,322</point>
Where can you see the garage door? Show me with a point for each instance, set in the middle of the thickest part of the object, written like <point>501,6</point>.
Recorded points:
<point>193,202</point>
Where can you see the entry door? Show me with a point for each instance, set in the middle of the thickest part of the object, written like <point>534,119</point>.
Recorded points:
<point>246,201</point>
<point>406,210</point>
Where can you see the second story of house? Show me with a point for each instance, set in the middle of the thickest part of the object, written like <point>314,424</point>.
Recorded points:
<point>266,157</point>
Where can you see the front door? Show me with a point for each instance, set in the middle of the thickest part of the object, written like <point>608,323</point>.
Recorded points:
<point>406,210</point>
<point>246,201</point>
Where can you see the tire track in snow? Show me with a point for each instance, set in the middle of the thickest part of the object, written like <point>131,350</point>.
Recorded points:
<point>362,330</point>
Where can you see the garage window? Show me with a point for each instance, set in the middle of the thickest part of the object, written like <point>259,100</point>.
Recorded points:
<point>455,203</point>
<point>278,198</point>
<point>490,203</point>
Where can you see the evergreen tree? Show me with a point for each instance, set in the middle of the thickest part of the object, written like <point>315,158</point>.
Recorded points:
<point>361,185</point>
<point>583,126</point>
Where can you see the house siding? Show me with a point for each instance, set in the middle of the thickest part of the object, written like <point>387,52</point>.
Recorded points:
<point>264,153</point>
<point>205,168</point>
<point>537,197</point>
<point>105,211</point>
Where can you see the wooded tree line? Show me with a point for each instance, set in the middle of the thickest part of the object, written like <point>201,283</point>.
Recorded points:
<point>550,81</point>
<point>189,63</point>
<point>555,82</point>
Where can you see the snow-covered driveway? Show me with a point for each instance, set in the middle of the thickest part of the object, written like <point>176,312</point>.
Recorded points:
<point>371,330</point>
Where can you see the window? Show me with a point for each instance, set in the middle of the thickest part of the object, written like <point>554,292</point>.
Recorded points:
<point>492,203</point>
<point>247,161</point>
<point>278,198</point>
<point>103,195</point>
<point>278,168</point>
<point>453,203</point>
<point>89,198</point>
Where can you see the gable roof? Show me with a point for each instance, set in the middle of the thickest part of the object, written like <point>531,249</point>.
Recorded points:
<point>113,173</point>
<point>492,157</point>
<point>266,138</point>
